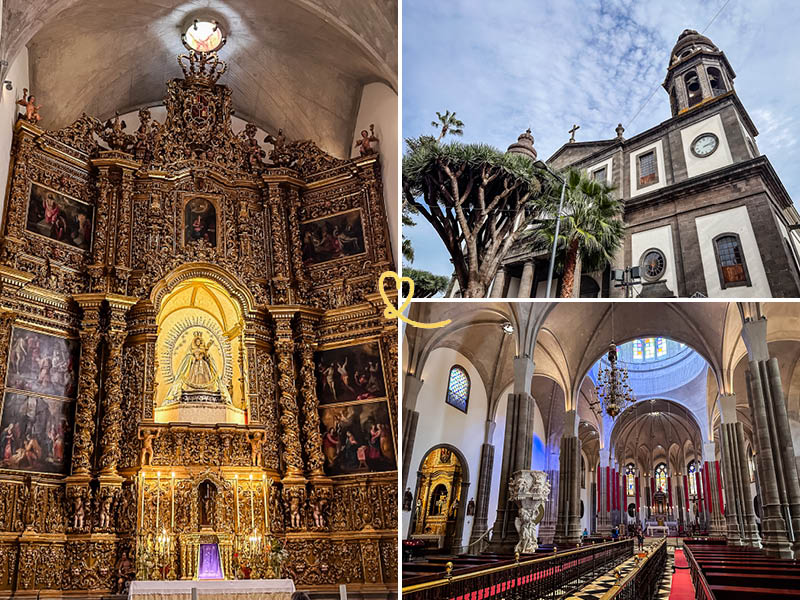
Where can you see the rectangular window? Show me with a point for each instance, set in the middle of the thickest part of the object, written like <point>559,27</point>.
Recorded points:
<point>648,174</point>
<point>600,175</point>
<point>662,347</point>
<point>637,349</point>
<point>649,348</point>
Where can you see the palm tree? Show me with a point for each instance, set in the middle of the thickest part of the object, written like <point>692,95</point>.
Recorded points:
<point>591,225</point>
<point>447,123</point>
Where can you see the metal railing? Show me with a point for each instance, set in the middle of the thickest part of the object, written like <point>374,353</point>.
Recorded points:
<point>551,576</point>
<point>702,591</point>
<point>642,582</point>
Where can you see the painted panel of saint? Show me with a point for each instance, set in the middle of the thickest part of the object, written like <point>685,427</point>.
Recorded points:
<point>350,373</point>
<point>43,364</point>
<point>357,438</point>
<point>35,433</point>
<point>200,221</point>
<point>333,237</point>
<point>59,217</point>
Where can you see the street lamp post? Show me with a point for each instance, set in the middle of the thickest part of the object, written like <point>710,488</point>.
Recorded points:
<point>539,164</point>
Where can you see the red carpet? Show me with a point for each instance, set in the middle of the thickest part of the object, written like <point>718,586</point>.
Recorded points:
<point>682,588</point>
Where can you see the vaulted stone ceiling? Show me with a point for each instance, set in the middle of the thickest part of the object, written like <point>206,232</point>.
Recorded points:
<point>295,64</point>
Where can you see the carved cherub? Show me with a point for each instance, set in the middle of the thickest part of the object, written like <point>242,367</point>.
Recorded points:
<point>294,510</point>
<point>277,141</point>
<point>364,143</point>
<point>114,135</point>
<point>319,505</point>
<point>31,108</point>
<point>106,505</point>
<point>78,511</point>
<point>255,154</point>
<point>256,440</point>
<point>147,436</point>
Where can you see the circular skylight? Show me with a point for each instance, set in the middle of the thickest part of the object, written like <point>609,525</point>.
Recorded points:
<point>203,36</point>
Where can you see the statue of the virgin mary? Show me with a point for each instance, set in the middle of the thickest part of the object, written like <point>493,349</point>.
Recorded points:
<point>197,378</point>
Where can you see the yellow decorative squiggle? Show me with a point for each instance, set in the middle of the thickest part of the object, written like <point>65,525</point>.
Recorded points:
<point>397,313</point>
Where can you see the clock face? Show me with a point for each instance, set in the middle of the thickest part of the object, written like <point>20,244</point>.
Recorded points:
<point>704,145</point>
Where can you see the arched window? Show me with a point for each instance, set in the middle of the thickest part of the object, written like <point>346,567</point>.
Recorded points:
<point>649,348</point>
<point>630,479</point>
<point>716,81</point>
<point>661,477</point>
<point>692,469</point>
<point>693,89</point>
<point>458,388</point>
<point>661,347</point>
<point>730,261</point>
<point>637,350</point>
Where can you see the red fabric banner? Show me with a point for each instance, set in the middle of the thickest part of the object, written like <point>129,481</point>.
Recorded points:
<point>637,496</point>
<point>613,489</point>
<point>597,488</point>
<point>707,487</point>
<point>719,487</point>
<point>686,490</point>
<point>608,489</point>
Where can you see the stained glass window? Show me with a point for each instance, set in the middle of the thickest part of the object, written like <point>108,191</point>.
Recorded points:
<point>637,350</point>
<point>630,474</point>
<point>692,479</point>
<point>649,348</point>
<point>661,477</point>
<point>458,388</point>
<point>662,347</point>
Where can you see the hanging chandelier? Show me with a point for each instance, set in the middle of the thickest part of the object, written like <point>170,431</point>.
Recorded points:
<point>613,390</point>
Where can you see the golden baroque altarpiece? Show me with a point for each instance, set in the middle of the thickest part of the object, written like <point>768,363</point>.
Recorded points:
<point>193,350</point>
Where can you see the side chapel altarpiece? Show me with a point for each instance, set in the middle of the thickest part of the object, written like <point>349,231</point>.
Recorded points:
<point>193,353</point>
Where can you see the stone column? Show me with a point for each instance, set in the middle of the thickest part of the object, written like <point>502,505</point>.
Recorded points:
<point>603,509</point>
<point>568,525</point>
<point>716,524</point>
<point>517,445</point>
<point>86,406</point>
<point>733,508</point>
<point>760,398</point>
<point>526,283</point>
<point>111,424</point>
<point>481,521</point>
<point>499,283</point>
<point>411,387</point>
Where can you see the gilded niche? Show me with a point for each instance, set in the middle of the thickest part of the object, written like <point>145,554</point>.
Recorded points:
<point>193,352</point>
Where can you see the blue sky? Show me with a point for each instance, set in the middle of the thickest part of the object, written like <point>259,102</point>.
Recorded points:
<point>505,65</point>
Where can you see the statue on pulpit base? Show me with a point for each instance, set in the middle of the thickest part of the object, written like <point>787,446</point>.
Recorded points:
<point>530,490</point>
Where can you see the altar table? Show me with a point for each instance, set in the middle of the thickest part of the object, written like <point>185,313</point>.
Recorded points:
<point>239,589</point>
<point>660,529</point>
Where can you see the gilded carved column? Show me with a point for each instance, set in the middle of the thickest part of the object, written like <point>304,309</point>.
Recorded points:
<point>83,445</point>
<point>7,318</point>
<point>290,429</point>
<point>280,245</point>
<point>100,248</point>
<point>122,262</point>
<point>111,425</point>
<point>298,269</point>
<point>311,428</point>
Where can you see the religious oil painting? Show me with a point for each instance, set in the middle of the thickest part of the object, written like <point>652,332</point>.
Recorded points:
<point>43,364</point>
<point>35,433</point>
<point>59,217</point>
<point>350,373</point>
<point>333,237</point>
<point>357,438</point>
<point>200,221</point>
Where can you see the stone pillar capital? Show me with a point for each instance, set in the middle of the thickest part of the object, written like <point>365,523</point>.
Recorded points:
<point>727,407</point>
<point>411,387</point>
<point>523,373</point>
<point>754,335</point>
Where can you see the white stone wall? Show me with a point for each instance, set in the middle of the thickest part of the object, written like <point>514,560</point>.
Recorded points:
<point>632,169</point>
<point>734,220</point>
<point>721,157</point>
<point>661,238</point>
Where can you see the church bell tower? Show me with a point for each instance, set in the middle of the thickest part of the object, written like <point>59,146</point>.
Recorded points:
<point>698,71</point>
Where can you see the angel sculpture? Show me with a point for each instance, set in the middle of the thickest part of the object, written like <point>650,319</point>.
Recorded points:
<point>31,108</point>
<point>364,143</point>
<point>277,141</point>
<point>114,135</point>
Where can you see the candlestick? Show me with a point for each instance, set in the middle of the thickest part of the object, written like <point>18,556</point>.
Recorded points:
<point>236,497</point>
<point>252,514</point>
<point>172,503</point>
<point>158,497</point>
<point>264,498</point>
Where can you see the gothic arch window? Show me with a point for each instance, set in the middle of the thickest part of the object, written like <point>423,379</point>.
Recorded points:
<point>731,265</point>
<point>458,388</point>
<point>716,81</point>
<point>661,477</point>
<point>692,480</point>
<point>693,89</point>
<point>630,479</point>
